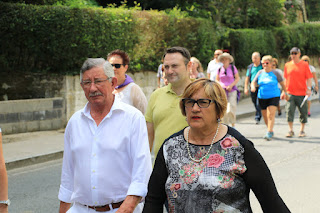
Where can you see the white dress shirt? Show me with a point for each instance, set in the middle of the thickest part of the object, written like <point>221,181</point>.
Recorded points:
<point>103,164</point>
<point>213,68</point>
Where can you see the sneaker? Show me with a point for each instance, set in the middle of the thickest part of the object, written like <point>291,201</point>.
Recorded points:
<point>268,136</point>
<point>279,113</point>
<point>290,134</point>
<point>309,114</point>
<point>257,122</point>
<point>302,134</point>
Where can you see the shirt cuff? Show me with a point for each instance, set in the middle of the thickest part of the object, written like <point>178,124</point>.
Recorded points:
<point>64,194</point>
<point>138,189</point>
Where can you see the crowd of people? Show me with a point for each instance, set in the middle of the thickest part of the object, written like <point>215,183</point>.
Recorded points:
<point>202,164</point>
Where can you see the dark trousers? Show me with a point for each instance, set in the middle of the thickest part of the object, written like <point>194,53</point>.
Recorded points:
<point>254,99</point>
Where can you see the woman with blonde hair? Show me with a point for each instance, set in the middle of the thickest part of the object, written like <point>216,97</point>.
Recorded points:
<point>268,93</point>
<point>196,69</point>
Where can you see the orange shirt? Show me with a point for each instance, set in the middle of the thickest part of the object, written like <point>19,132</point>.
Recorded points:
<point>296,76</point>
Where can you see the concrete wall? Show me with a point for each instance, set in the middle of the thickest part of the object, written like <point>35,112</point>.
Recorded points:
<point>32,115</point>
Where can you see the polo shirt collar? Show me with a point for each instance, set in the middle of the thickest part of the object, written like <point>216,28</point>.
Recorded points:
<point>169,89</point>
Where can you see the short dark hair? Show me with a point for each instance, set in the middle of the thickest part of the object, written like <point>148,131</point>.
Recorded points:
<point>183,51</point>
<point>125,57</point>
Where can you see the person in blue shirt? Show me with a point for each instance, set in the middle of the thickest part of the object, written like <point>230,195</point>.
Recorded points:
<point>252,70</point>
<point>268,93</point>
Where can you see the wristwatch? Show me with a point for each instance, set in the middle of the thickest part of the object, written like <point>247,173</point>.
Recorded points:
<point>6,202</point>
<point>309,88</point>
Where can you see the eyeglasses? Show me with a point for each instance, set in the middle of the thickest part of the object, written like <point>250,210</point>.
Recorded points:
<point>202,103</point>
<point>294,53</point>
<point>97,82</point>
<point>306,60</point>
<point>265,63</point>
<point>117,65</point>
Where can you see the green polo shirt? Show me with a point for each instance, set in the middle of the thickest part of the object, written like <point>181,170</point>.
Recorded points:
<point>164,112</point>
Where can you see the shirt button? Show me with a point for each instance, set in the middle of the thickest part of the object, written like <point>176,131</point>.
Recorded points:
<point>93,171</point>
<point>95,202</point>
<point>94,155</point>
<point>94,187</point>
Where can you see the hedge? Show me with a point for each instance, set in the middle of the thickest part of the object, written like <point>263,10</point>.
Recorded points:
<point>57,39</point>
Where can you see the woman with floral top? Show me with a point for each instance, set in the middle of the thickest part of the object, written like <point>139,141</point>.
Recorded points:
<point>208,166</point>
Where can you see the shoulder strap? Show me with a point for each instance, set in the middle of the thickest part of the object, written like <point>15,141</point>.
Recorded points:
<point>250,68</point>
<point>232,68</point>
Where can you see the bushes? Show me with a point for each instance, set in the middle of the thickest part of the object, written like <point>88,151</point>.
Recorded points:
<point>245,42</point>
<point>58,39</point>
<point>304,36</point>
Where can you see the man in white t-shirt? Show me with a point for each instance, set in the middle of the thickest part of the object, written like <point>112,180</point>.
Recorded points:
<point>214,65</point>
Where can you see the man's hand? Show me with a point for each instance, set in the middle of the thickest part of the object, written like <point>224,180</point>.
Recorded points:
<point>3,208</point>
<point>308,92</point>
<point>129,204</point>
<point>64,207</point>
<point>246,91</point>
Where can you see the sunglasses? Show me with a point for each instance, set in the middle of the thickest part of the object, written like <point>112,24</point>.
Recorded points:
<point>117,65</point>
<point>294,53</point>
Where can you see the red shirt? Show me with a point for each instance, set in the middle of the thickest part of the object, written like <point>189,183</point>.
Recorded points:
<point>296,76</point>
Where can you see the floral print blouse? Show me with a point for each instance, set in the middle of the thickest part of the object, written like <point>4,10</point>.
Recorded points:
<point>219,183</point>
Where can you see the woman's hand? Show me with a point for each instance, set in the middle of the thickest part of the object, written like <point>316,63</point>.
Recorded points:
<point>253,88</point>
<point>229,88</point>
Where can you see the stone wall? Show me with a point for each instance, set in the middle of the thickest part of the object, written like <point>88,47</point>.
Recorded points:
<point>32,115</point>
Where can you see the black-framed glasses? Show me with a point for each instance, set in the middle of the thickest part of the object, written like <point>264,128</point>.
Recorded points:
<point>294,53</point>
<point>117,65</point>
<point>202,103</point>
<point>98,82</point>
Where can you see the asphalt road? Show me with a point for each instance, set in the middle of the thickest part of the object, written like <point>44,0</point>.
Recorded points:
<point>294,164</point>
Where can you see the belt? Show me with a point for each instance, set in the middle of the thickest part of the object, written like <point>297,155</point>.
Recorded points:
<point>105,208</point>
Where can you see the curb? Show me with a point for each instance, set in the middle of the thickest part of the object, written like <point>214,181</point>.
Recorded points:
<point>34,160</point>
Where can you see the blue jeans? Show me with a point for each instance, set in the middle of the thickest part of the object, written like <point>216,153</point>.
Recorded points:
<point>254,99</point>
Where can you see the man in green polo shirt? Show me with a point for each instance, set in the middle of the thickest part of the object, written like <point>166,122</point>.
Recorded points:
<point>163,114</point>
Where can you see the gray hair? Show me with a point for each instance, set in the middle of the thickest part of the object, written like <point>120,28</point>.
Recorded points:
<point>256,53</point>
<point>97,62</point>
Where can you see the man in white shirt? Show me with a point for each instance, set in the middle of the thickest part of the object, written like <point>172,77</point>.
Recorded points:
<point>214,65</point>
<point>106,162</point>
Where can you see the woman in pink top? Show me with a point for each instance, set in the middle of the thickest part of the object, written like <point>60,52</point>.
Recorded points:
<point>228,77</point>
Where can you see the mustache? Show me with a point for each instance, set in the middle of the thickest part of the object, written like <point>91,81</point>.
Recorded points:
<point>95,94</point>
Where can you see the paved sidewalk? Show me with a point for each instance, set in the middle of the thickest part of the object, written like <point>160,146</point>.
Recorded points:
<point>35,147</point>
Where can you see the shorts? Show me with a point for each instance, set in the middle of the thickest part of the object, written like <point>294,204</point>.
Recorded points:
<point>293,103</point>
<point>264,103</point>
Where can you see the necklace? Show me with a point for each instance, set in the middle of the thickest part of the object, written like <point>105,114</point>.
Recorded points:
<point>195,160</point>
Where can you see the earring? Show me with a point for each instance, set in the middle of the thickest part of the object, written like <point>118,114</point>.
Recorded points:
<point>218,120</point>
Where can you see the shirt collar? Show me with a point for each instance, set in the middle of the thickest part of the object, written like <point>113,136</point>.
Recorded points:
<point>169,89</point>
<point>117,105</point>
